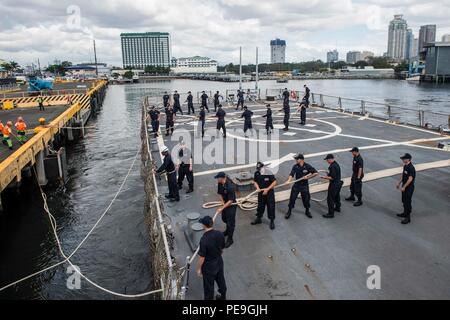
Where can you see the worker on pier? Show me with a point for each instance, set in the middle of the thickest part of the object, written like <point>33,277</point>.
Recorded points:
<point>406,185</point>
<point>154,117</point>
<point>305,171</point>
<point>1,130</point>
<point>7,133</point>
<point>170,120</point>
<point>334,188</point>
<point>217,97</point>
<point>176,103</point>
<point>169,168</point>
<point>228,207</point>
<point>21,128</point>
<point>202,120</point>
<point>286,95</point>
<point>247,115</point>
<point>269,120</point>
<point>306,96</point>
<point>41,103</point>
<point>302,109</point>
<point>357,176</point>
<point>166,99</point>
<point>190,103</point>
<point>264,181</point>
<point>210,262</point>
<point>185,166</point>
<point>220,114</point>
<point>240,96</point>
<point>287,115</point>
<point>204,98</point>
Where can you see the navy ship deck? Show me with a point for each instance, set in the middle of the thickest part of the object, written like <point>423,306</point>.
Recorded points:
<point>320,258</point>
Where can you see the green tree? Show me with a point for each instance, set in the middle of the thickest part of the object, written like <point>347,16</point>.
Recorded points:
<point>401,67</point>
<point>361,64</point>
<point>128,74</point>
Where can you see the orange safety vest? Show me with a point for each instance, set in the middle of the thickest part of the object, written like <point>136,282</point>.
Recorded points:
<point>21,126</point>
<point>1,127</point>
<point>6,131</point>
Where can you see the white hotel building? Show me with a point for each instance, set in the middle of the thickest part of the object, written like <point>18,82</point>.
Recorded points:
<point>195,64</point>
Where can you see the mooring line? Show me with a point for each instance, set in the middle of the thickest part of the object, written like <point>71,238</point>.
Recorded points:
<point>67,258</point>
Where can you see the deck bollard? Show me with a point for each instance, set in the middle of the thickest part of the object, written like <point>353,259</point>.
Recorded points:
<point>363,107</point>
<point>197,233</point>
<point>192,218</point>
<point>340,103</point>
<point>321,101</point>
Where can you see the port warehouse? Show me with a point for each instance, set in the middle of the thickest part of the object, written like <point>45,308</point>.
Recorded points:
<point>437,62</point>
<point>63,125</point>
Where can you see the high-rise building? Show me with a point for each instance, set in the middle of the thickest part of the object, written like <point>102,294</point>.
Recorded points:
<point>409,43</point>
<point>397,38</point>
<point>446,37</point>
<point>353,57</point>
<point>145,49</point>
<point>365,55</point>
<point>332,56</point>
<point>414,53</point>
<point>427,34</point>
<point>277,51</point>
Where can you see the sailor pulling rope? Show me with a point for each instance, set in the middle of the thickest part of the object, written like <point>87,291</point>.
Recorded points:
<point>250,202</point>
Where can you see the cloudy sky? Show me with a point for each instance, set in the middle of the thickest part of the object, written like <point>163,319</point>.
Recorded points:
<point>63,30</point>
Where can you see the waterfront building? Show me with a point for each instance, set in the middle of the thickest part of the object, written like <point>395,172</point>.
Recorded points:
<point>195,64</point>
<point>446,37</point>
<point>3,72</point>
<point>277,51</point>
<point>368,72</point>
<point>332,56</point>
<point>427,35</point>
<point>397,38</point>
<point>81,71</point>
<point>146,49</point>
<point>102,68</point>
<point>437,60</point>
<point>353,57</point>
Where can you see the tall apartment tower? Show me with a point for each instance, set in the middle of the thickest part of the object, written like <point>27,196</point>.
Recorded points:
<point>397,38</point>
<point>278,51</point>
<point>145,49</point>
<point>427,34</point>
<point>332,56</point>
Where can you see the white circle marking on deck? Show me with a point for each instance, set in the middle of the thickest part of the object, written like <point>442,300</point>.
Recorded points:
<point>336,132</point>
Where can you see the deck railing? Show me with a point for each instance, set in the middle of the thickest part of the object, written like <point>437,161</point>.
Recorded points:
<point>165,272</point>
<point>415,116</point>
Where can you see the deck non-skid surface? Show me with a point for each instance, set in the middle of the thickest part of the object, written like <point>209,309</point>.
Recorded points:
<point>31,117</point>
<point>328,259</point>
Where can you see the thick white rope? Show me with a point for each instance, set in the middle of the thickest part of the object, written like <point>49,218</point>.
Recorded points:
<point>67,258</point>
<point>250,202</point>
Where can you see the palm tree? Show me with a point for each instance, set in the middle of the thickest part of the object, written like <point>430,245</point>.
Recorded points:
<point>14,65</point>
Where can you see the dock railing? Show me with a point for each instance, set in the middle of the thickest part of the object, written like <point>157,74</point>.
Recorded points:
<point>11,167</point>
<point>165,272</point>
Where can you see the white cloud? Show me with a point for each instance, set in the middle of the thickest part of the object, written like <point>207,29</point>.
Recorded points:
<point>32,29</point>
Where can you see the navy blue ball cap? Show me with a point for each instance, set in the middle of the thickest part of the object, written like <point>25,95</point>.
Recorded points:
<point>355,149</point>
<point>206,221</point>
<point>299,156</point>
<point>220,175</point>
<point>329,156</point>
<point>406,156</point>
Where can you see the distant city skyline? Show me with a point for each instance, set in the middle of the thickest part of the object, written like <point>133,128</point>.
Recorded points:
<point>214,29</point>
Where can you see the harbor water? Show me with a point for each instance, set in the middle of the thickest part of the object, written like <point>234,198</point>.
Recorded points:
<point>116,255</point>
